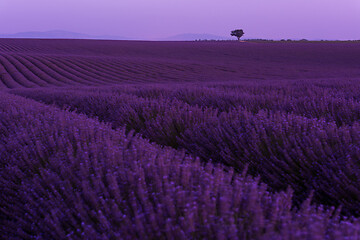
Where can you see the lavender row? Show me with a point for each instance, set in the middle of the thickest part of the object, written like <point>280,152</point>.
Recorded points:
<point>64,175</point>
<point>334,101</point>
<point>284,149</point>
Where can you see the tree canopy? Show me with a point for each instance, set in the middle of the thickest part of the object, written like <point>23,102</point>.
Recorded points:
<point>237,33</point>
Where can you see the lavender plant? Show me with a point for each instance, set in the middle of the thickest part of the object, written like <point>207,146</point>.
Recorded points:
<point>64,175</point>
<point>284,148</point>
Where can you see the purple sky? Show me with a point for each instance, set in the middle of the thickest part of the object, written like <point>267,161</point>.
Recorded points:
<point>148,19</point>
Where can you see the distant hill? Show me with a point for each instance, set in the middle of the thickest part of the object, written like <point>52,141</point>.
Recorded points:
<point>59,34</point>
<point>195,36</point>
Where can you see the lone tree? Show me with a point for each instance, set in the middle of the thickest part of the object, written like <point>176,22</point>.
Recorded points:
<point>237,33</point>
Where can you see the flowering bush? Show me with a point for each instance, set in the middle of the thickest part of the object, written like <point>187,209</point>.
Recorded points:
<point>64,175</point>
<point>286,141</point>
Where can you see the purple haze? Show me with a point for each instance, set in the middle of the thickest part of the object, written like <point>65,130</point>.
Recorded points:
<point>319,19</point>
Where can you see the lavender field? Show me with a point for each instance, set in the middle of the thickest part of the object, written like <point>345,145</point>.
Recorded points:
<point>179,140</point>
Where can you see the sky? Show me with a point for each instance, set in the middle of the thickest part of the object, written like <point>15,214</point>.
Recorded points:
<point>151,19</point>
